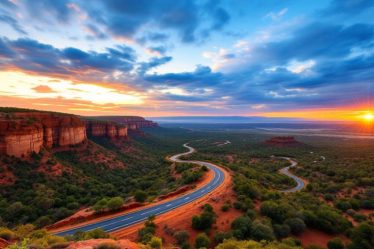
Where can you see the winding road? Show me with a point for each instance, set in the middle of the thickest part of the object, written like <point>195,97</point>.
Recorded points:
<point>286,171</point>
<point>125,220</point>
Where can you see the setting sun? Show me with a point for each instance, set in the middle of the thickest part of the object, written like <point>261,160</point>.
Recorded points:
<point>368,117</point>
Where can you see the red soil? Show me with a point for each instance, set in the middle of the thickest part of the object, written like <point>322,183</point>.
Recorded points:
<point>180,218</point>
<point>3,243</point>
<point>92,243</point>
<point>315,237</point>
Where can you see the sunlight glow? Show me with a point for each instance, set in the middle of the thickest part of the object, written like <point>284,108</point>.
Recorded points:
<point>369,117</point>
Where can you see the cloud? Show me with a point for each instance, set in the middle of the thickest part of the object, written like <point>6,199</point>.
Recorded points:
<point>13,23</point>
<point>32,56</point>
<point>275,16</point>
<point>43,89</point>
<point>125,19</point>
<point>152,63</point>
<point>347,7</point>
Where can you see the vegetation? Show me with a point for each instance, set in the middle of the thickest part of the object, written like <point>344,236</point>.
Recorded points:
<point>205,220</point>
<point>202,241</point>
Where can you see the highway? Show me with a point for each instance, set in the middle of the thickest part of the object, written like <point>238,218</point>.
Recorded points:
<point>125,220</point>
<point>286,171</point>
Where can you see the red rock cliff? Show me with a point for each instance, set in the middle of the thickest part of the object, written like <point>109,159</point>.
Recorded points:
<point>22,133</point>
<point>96,128</point>
<point>132,122</point>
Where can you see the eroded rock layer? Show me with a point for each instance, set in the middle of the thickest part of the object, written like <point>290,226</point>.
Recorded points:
<point>24,133</point>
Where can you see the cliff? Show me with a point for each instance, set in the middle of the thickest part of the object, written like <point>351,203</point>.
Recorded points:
<point>132,122</point>
<point>22,133</point>
<point>96,128</point>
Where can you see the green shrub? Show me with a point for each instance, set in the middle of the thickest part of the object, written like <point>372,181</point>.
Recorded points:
<point>202,241</point>
<point>335,243</point>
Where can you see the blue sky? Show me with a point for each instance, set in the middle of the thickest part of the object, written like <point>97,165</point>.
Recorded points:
<point>186,57</point>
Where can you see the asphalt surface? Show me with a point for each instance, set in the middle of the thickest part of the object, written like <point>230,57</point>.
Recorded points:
<point>286,171</point>
<point>132,218</point>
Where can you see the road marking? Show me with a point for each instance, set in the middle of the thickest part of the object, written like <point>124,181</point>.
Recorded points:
<point>150,211</point>
<point>168,205</point>
<point>187,198</point>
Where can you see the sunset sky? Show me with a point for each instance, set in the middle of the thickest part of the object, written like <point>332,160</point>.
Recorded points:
<point>275,58</point>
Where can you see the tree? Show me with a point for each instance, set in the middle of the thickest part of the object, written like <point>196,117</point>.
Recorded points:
<point>181,237</point>
<point>155,242</point>
<point>261,231</point>
<point>205,220</point>
<point>277,212</point>
<point>202,241</point>
<point>101,205</point>
<point>140,196</point>
<point>296,225</point>
<point>115,203</point>
<point>241,227</point>
<point>335,243</point>
<point>281,231</point>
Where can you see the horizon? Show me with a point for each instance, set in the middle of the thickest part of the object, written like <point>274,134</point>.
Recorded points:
<point>294,60</point>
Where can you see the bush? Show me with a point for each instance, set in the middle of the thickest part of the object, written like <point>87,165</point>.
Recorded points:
<point>281,231</point>
<point>140,196</point>
<point>261,231</point>
<point>205,220</point>
<point>202,241</point>
<point>335,243</point>
<point>241,227</point>
<point>181,237</point>
<point>155,242</point>
<point>296,225</point>
<point>225,207</point>
<point>107,245</point>
<point>219,237</point>
<point>115,203</point>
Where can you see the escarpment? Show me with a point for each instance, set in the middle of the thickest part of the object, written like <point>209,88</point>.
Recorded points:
<point>96,128</point>
<point>132,122</point>
<point>23,133</point>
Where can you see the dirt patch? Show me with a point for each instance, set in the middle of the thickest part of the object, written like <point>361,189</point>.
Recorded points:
<point>3,243</point>
<point>230,158</point>
<point>315,237</point>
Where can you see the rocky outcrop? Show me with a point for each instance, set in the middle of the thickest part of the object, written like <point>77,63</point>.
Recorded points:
<point>96,128</point>
<point>22,133</point>
<point>132,122</point>
<point>282,141</point>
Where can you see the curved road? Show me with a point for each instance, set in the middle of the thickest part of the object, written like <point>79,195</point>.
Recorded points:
<point>285,171</point>
<point>129,219</point>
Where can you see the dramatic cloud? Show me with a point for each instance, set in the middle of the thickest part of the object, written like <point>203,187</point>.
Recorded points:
<point>192,56</point>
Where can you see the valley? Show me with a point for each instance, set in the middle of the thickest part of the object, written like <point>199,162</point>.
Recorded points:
<point>291,190</point>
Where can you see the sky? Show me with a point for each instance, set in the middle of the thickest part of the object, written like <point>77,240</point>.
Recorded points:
<point>274,58</point>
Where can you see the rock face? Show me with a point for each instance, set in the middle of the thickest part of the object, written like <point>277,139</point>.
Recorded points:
<point>132,122</point>
<point>24,133</point>
<point>96,128</point>
<point>282,141</point>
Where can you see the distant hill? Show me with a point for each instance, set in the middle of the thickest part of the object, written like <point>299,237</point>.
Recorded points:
<point>223,119</point>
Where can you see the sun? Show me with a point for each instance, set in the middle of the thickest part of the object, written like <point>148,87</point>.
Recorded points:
<point>369,117</point>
